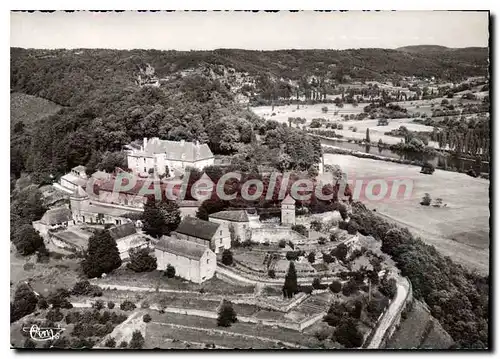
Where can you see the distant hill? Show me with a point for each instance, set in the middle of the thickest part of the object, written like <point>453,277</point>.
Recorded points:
<point>420,49</point>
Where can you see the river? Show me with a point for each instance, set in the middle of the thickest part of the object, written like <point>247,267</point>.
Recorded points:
<point>440,160</point>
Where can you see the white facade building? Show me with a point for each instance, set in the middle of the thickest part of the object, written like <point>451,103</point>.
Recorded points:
<point>236,219</point>
<point>158,155</point>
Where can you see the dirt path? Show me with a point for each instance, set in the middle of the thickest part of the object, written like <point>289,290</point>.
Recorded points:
<point>470,257</point>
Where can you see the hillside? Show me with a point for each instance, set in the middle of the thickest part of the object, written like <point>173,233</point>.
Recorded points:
<point>29,109</point>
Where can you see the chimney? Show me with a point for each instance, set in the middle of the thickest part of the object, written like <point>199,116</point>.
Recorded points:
<point>144,143</point>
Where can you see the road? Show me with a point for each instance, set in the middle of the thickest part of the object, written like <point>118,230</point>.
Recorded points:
<point>394,309</point>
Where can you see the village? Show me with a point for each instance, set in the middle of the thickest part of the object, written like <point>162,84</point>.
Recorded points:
<point>242,198</point>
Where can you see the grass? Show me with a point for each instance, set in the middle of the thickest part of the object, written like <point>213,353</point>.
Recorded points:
<point>124,276</point>
<point>412,332</point>
<point>459,230</point>
<point>29,109</point>
<point>279,334</point>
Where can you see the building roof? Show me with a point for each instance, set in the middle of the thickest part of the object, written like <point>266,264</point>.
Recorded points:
<point>123,230</point>
<point>198,228</point>
<point>181,247</point>
<point>56,216</point>
<point>70,177</point>
<point>233,216</point>
<point>178,150</point>
<point>79,168</point>
<point>288,200</point>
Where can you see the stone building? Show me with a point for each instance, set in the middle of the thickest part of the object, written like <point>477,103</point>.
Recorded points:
<point>54,218</point>
<point>192,261</point>
<point>208,234</point>
<point>236,219</point>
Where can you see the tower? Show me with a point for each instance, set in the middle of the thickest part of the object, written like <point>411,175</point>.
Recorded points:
<point>288,211</point>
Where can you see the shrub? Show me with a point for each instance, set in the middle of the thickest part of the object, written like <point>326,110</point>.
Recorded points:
<point>123,344</point>
<point>110,343</point>
<point>146,318</point>
<point>170,272</point>
<point>316,283</point>
<point>333,237</point>
<point>111,305</point>
<point>271,273</point>
<point>54,315</point>
<point>343,225</point>
<point>347,333</point>
<point>59,298</point>
<point>335,286</point>
<point>227,257</point>
<point>299,228</point>
<point>282,243</point>
<point>327,258</point>
<point>352,227</point>
<point>127,305</point>
<point>388,288</point>
<point>98,304</point>
<point>311,257</point>
<point>426,200</point>
<point>29,344</point>
<point>42,303</point>
<point>321,240</point>
<point>349,288</point>
<point>427,168</point>
<point>141,261</point>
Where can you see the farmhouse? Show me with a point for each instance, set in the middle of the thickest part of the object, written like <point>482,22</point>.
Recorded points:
<point>55,218</point>
<point>127,237</point>
<point>208,234</point>
<point>192,261</point>
<point>162,157</point>
<point>236,219</point>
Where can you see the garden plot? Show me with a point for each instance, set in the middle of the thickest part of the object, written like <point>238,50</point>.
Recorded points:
<point>459,230</point>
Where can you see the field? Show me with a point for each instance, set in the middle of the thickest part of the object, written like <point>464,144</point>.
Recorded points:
<point>459,230</point>
<point>314,111</point>
<point>29,109</point>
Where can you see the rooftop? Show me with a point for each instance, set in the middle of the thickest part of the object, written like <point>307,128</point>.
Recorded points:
<point>198,228</point>
<point>233,216</point>
<point>56,216</point>
<point>79,168</point>
<point>181,247</point>
<point>122,231</point>
<point>72,178</point>
<point>288,200</point>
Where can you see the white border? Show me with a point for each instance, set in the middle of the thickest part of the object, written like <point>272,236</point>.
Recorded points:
<point>193,5</point>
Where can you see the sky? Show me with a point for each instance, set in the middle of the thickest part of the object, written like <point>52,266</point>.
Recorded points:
<point>247,30</point>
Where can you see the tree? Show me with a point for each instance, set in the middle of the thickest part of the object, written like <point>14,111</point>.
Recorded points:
<point>335,286</point>
<point>271,273</point>
<point>324,109</point>
<point>102,255</point>
<point>137,341</point>
<point>146,318</point>
<point>347,333</point>
<point>367,139</point>
<point>24,303</point>
<point>227,257</point>
<point>141,260</point>
<point>170,272</point>
<point>127,305</point>
<point>388,287</point>
<point>226,314</point>
<point>27,240</point>
<point>59,298</point>
<point>282,243</point>
<point>426,200</point>
<point>290,287</point>
<point>316,225</point>
<point>340,252</point>
<point>311,257</point>
<point>160,217</point>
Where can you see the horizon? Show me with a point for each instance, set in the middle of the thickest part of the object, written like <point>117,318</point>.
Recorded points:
<point>262,31</point>
<point>241,49</point>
